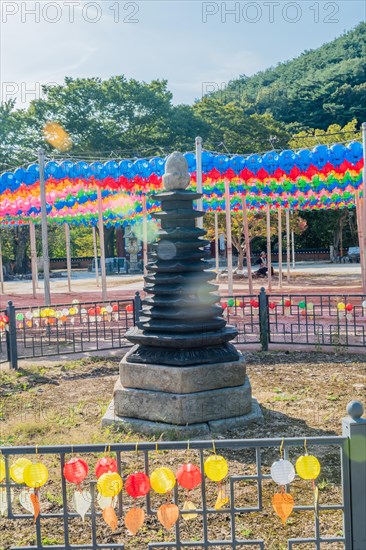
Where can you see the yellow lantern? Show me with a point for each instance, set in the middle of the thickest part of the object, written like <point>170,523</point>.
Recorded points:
<point>2,469</point>
<point>162,480</point>
<point>17,469</point>
<point>110,484</point>
<point>35,475</point>
<point>308,467</point>
<point>216,467</point>
<point>43,313</point>
<point>72,311</point>
<point>341,306</point>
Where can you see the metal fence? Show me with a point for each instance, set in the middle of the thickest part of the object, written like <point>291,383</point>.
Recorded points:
<point>317,320</point>
<point>64,329</point>
<point>253,458</point>
<point>301,319</point>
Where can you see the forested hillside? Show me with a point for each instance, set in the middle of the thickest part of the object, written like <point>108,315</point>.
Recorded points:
<point>319,87</point>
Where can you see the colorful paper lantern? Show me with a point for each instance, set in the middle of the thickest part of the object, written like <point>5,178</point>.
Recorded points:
<point>231,302</point>
<point>272,305</point>
<point>129,308</point>
<point>35,475</point>
<point>2,469</point>
<point>75,470</point>
<point>105,465</point>
<point>341,306</point>
<point>308,467</point>
<point>282,472</point>
<point>17,469</point>
<point>287,303</point>
<point>137,485</point>
<point>254,303</point>
<point>302,304</point>
<point>189,476</point>
<point>216,467</point>
<point>349,307</point>
<point>110,484</point>
<point>162,480</point>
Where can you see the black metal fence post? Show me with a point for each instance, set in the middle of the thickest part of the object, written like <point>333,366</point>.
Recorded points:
<point>354,427</point>
<point>137,307</point>
<point>263,319</point>
<point>11,337</point>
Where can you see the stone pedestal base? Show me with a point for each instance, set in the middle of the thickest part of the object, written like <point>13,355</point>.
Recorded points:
<point>186,400</point>
<point>204,430</point>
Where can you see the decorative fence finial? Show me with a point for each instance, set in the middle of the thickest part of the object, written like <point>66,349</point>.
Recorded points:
<point>355,409</point>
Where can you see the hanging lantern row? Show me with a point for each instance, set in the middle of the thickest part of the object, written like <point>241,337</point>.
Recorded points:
<point>162,481</point>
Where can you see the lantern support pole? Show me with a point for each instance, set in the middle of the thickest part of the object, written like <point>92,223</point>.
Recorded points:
<point>199,178</point>
<point>363,216</point>
<point>46,259</point>
<point>144,233</point>
<point>293,248</point>
<point>32,237</point>
<point>217,258</point>
<point>229,246</point>
<point>269,250</point>
<point>360,233</point>
<point>95,247</point>
<point>68,255</point>
<point>247,243</point>
<point>279,247</point>
<point>288,244</point>
<point>101,244</point>
<point>1,269</point>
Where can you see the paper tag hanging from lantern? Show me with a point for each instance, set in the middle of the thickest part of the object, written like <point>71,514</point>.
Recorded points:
<point>82,501</point>
<point>4,501</point>
<point>283,504</point>
<point>109,516</point>
<point>25,500</point>
<point>168,515</point>
<point>134,520</point>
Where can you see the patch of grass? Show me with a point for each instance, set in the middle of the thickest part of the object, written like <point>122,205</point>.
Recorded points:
<point>332,397</point>
<point>287,398</point>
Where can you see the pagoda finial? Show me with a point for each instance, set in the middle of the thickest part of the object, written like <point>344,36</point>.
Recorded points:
<point>176,172</point>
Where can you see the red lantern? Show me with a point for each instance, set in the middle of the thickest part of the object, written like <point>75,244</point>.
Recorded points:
<point>287,303</point>
<point>137,485</point>
<point>349,307</point>
<point>129,308</point>
<point>189,476</point>
<point>272,305</point>
<point>224,305</point>
<point>98,310</point>
<point>254,303</point>
<point>115,307</point>
<point>76,470</point>
<point>105,465</point>
<point>242,304</point>
<point>91,312</point>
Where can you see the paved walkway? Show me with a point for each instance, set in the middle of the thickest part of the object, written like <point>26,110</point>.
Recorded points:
<point>307,278</point>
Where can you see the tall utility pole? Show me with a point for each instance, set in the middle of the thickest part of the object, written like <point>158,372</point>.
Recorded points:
<point>46,258</point>
<point>199,177</point>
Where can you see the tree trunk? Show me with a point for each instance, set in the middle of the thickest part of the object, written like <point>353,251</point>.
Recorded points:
<point>20,250</point>
<point>109,234</point>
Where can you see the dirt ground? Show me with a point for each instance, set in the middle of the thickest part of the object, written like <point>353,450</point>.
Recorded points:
<point>301,394</point>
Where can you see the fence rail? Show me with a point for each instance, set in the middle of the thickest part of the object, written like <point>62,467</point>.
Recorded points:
<point>236,507</point>
<point>289,319</point>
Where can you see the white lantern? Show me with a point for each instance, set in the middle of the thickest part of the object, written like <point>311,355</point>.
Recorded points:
<point>282,472</point>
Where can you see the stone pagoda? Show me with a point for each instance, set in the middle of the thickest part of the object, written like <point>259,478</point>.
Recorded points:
<point>182,373</point>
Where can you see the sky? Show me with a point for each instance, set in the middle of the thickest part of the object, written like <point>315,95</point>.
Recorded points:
<point>197,46</point>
